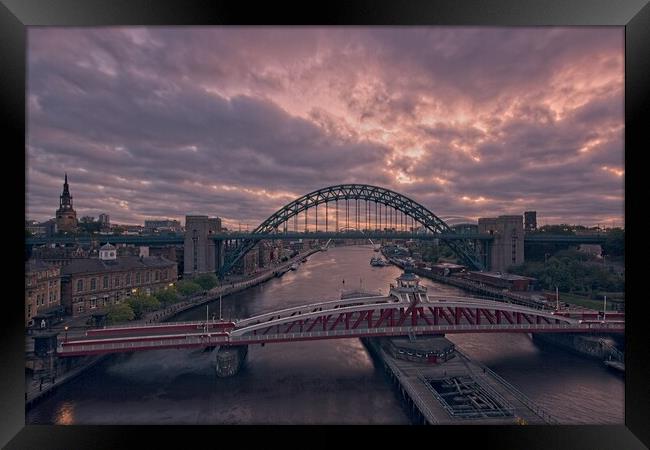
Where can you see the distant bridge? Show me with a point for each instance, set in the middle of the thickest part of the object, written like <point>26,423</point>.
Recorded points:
<point>179,239</point>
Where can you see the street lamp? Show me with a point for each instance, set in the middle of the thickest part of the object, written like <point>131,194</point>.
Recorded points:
<point>66,333</point>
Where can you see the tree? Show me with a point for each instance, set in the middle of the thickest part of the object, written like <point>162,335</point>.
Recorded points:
<point>121,312</point>
<point>141,304</point>
<point>206,281</point>
<point>187,287</point>
<point>167,296</point>
<point>614,244</point>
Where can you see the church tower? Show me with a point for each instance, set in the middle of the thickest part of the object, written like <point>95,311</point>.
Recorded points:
<point>66,216</point>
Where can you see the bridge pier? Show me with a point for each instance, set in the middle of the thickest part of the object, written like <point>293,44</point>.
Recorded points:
<point>229,360</point>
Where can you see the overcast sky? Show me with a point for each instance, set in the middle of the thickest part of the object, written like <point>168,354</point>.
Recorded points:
<point>236,122</point>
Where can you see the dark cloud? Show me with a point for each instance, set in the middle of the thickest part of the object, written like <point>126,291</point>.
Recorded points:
<point>236,122</point>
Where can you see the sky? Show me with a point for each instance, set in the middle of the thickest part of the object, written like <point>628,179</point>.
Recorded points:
<point>235,122</point>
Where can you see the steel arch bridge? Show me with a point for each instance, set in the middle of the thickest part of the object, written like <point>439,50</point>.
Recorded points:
<point>364,192</point>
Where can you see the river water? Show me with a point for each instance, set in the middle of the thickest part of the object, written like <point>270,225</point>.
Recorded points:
<point>315,382</point>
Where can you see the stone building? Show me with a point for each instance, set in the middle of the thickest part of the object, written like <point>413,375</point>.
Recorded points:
<point>89,284</point>
<point>530,220</point>
<point>42,288</point>
<point>104,221</point>
<point>507,248</point>
<point>201,253</point>
<point>66,216</point>
<point>265,253</point>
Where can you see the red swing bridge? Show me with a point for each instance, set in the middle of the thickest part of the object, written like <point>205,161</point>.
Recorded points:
<point>407,310</point>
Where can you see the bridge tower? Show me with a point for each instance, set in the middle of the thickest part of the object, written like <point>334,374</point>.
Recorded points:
<point>202,254</point>
<point>507,249</point>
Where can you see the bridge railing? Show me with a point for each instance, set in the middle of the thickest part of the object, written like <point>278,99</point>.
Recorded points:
<point>113,346</point>
<point>427,328</point>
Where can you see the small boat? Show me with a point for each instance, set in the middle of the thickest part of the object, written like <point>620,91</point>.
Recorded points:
<point>293,266</point>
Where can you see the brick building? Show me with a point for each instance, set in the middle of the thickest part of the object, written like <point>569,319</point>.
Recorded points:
<point>88,284</point>
<point>503,280</point>
<point>42,288</point>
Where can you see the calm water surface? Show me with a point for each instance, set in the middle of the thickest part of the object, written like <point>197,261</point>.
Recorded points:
<point>314,382</point>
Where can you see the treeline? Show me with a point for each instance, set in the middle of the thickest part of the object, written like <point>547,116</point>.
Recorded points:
<point>573,272</point>
<point>613,247</point>
<point>135,307</point>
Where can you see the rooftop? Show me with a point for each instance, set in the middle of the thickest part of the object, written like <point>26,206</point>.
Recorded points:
<point>37,265</point>
<point>503,276</point>
<point>94,265</point>
<point>446,265</point>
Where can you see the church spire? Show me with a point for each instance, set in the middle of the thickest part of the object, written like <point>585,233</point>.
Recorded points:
<point>66,216</point>
<point>66,198</point>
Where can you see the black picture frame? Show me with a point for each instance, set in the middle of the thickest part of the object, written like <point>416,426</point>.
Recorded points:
<point>16,15</point>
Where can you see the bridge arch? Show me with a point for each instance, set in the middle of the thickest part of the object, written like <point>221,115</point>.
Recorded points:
<point>365,192</point>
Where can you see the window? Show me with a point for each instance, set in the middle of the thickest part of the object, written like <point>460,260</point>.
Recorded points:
<point>80,285</point>
<point>116,282</point>
<point>147,277</point>
<point>80,308</point>
<point>128,279</point>
<point>164,274</point>
<point>105,283</point>
<point>157,275</point>
<point>93,284</point>
<point>137,278</point>
<point>93,303</point>
<point>29,311</point>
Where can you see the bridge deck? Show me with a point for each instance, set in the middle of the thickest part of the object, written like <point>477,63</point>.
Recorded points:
<point>413,377</point>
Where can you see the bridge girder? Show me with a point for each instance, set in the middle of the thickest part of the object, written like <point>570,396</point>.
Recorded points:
<point>348,318</point>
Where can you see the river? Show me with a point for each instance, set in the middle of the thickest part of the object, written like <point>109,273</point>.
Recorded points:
<point>314,382</point>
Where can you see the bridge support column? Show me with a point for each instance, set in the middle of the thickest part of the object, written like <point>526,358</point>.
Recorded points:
<point>229,360</point>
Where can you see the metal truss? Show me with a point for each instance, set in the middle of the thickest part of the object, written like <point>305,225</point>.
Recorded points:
<point>350,318</point>
<point>378,195</point>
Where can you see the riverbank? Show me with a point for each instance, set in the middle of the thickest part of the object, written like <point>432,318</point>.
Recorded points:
<point>579,344</point>
<point>223,290</point>
<point>35,390</point>
<point>602,348</point>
